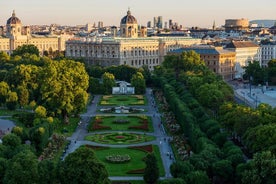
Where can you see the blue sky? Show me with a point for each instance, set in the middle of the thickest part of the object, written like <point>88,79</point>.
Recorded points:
<point>200,13</point>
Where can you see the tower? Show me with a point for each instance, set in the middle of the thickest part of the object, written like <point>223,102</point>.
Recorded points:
<point>14,26</point>
<point>129,26</point>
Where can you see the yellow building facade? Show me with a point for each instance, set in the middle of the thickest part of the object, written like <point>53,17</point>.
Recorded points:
<point>128,49</point>
<point>16,35</point>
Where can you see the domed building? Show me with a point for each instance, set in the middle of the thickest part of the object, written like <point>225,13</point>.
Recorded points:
<point>129,26</point>
<point>14,26</point>
<point>17,35</point>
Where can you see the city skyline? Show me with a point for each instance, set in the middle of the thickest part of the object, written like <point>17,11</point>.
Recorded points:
<point>194,13</point>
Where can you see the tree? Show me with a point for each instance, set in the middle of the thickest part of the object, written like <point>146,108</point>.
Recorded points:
<point>26,49</point>
<point>11,100</point>
<point>11,140</point>
<point>139,83</point>
<point>4,56</point>
<point>94,86</point>
<point>23,168</point>
<point>260,138</point>
<point>210,96</point>
<point>4,90</point>
<point>255,71</point>
<point>47,172</point>
<point>198,177</point>
<point>183,62</point>
<point>181,169</point>
<point>63,87</point>
<point>3,167</point>
<point>83,167</point>
<point>41,112</point>
<point>23,95</point>
<point>262,169</point>
<point>172,181</point>
<point>108,82</point>
<point>222,171</point>
<point>151,173</point>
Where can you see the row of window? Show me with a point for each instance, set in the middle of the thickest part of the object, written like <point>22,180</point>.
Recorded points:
<point>141,53</point>
<point>144,62</point>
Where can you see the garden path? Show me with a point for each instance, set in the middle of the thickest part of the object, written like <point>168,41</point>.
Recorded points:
<point>162,140</point>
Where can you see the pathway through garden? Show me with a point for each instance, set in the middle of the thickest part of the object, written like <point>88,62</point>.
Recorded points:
<point>77,138</point>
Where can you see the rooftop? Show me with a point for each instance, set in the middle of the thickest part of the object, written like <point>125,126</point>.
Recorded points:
<point>206,49</point>
<point>241,44</point>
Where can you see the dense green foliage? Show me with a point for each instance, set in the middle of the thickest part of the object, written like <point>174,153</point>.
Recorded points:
<point>82,166</point>
<point>203,105</point>
<point>151,173</point>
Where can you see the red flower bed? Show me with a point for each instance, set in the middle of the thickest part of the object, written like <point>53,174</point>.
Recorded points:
<point>136,171</point>
<point>95,147</point>
<point>144,126</point>
<point>147,148</point>
<point>97,126</point>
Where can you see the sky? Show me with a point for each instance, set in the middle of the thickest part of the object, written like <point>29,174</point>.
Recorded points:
<point>201,13</point>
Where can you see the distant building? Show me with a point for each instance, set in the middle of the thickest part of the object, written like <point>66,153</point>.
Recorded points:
<point>246,51</point>
<point>100,25</point>
<point>236,25</point>
<point>160,22</point>
<point>16,35</point>
<point>268,52</point>
<point>149,24</point>
<point>131,48</point>
<point>217,59</point>
<point>155,21</point>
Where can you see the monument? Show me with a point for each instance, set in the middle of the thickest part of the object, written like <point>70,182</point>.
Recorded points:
<point>123,89</point>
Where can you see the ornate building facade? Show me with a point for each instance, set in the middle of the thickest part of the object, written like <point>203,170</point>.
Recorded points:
<point>17,35</point>
<point>132,48</point>
<point>246,51</point>
<point>217,59</point>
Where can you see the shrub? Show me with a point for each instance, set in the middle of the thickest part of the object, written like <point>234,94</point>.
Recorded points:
<point>118,158</point>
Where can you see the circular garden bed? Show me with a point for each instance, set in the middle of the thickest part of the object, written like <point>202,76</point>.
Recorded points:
<point>119,138</point>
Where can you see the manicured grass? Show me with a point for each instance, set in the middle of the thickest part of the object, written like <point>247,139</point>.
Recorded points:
<point>135,163</point>
<point>122,100</point>
<point>66,129</point>
<point>137,123</point>
<point>119,138</point>
<point>129,182</point>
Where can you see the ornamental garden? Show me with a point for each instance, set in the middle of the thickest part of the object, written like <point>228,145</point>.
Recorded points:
<point>132,133</point>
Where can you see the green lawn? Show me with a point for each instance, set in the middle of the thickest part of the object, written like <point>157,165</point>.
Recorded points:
<point>122,100</point>
<point>66,130</point>
<point>137,123</point>
<point>119,138</point>
<point>135,163</point>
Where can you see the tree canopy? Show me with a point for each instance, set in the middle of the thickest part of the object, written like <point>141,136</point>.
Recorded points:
<point>83,167</point>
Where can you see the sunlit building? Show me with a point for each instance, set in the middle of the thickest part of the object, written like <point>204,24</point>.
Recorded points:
<point>17,35</point>
<point>217,59</point>
<point>132,48</point>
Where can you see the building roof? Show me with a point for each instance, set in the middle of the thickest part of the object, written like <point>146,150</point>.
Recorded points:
<point>203,50</point>
<point>241,44</point>
<point>13,19</point>
<point>128,19</point>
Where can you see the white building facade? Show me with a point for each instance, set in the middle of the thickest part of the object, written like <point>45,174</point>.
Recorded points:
<point>268,52</point>
<point>246,51</point>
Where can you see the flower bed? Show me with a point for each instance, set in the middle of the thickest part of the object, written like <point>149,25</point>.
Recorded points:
<point>147,148</point>
<point>120,121</point>
<point>118,159</point>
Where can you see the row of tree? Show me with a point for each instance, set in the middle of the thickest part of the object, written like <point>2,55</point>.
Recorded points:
<point>220,159</point>
<point>256,74</point>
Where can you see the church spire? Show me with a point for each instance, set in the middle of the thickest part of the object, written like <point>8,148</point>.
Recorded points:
<point>13,13</point>
<point>214,25</point>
